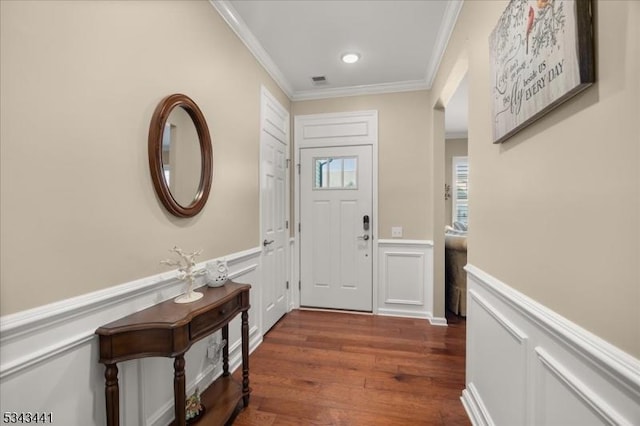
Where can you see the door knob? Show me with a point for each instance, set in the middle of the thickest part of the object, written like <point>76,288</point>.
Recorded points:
<point>364,237</point>
<point>267,242</point>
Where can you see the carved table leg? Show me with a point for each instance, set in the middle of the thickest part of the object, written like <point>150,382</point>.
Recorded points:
<point>112,392</point>
<point>179,390</point>
<point>225,350</point>
<point>245,358</point>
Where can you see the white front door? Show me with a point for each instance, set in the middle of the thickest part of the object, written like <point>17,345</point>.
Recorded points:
<point>274,135</point>
<point>336,227</point>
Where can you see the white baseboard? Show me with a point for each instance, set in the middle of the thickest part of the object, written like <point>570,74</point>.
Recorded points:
<point>440,321</point>
<point>476,410</point>
<point>528,365</point>
<point>58,341</point>
<point>412,314</point>
<point>403,313</point>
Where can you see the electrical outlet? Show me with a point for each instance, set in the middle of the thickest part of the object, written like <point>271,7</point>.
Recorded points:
<point>214,351</point>
<point>396,232</point>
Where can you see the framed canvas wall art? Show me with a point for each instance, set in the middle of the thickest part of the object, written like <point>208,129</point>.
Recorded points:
<point>541,54</point>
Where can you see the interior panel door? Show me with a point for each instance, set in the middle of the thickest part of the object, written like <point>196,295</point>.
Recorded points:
<point>336,228</point>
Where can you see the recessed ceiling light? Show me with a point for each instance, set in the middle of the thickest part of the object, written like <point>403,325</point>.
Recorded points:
<point>350,58</point>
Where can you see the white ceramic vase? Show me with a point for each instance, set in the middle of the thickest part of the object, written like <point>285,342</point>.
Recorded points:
<point>217,274</point>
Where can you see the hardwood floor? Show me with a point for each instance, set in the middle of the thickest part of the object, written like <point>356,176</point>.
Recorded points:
<point>326,368</point>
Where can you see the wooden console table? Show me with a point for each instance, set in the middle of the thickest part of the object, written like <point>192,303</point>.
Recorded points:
<point>168,330</point>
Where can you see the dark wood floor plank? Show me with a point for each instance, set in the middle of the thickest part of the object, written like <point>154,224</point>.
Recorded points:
<point>316,355</point>
<point>319,373</point>
<point>334,368</point>
<point>356,417</point>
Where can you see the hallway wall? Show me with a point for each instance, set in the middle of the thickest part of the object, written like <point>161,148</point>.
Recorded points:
<point>82,230</point>
<point>553,329</point>
<point>403,149</point>
<point>554,210</point>
<point>79,83</point>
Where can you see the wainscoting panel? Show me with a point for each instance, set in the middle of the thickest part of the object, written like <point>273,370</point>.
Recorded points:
<point>527,365</point>
<point>402,270</point>
<point>563,398</point>
<point>49,355</point>
<point>502,347</point>
<point>405,283</point>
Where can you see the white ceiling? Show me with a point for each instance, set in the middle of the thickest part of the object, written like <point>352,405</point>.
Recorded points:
<point>400,42</point>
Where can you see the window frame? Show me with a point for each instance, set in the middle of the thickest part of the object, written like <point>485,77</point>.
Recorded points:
<point>455,161</point>
<point>314,187</point>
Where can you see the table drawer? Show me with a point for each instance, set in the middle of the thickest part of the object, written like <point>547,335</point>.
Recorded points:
<point>210,321</point>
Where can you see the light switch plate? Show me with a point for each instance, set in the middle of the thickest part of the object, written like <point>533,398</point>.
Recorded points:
<point>396,232</point>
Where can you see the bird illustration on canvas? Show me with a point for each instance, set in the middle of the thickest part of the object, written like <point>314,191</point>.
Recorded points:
<point>529,25</point>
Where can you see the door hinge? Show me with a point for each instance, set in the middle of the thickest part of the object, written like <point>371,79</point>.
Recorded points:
<point>288,161</point>
<point>286,224</point>
<point>287,285</point>
<point>299,285</point>
<point>298,168</point>
<point>299,227</point>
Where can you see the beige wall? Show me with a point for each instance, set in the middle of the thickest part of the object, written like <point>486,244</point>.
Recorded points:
<point>452,148</point>
<point>554,211</point>
<point>404,192</point>
<point>79,83</point>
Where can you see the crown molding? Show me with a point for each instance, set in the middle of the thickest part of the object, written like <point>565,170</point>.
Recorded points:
<point>369,89</point>
<point>240,28</point>
<point>444,34</point>
<point>235,22</point>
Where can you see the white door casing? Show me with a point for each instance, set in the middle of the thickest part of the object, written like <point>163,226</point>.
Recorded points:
<point>345,129</point>
<point>336,243</point>
<point>274,193</point>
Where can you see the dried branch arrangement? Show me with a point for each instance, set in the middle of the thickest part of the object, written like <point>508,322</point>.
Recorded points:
<point>186,265</point>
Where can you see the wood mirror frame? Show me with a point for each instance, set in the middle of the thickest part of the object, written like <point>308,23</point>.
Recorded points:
<point>156,129</point>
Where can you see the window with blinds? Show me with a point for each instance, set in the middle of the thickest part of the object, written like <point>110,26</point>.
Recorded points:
<point>460,206</point>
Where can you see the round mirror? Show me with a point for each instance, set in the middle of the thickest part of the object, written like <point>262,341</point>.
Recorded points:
<point>180,155</point>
